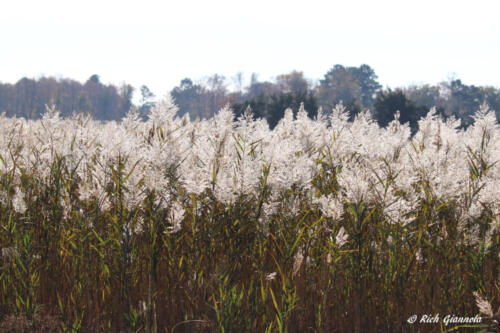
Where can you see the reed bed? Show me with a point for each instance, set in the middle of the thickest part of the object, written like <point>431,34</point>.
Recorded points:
<point>224,225</point>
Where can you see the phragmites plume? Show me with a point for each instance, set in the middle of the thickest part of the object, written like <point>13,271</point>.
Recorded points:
<point>483,305</point>
<point>341,238</point>
<point>297,263</point>
<point>270,276</point>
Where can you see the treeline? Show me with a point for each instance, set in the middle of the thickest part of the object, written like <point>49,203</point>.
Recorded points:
<point>28,98</point>
<point>356,87</point>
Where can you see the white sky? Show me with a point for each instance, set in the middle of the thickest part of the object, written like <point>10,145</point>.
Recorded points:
<point>158,43</point>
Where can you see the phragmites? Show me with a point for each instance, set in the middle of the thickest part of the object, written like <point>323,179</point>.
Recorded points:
<point>483,305</point>
<point>297,228</point>
<point>271,276</point>
<point>341,238</point>
<point>359,160</point>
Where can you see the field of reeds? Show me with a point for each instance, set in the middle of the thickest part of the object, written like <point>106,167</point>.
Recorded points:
<point>322,225</point>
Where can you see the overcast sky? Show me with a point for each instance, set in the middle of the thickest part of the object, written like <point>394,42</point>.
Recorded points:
<point>158,43</point>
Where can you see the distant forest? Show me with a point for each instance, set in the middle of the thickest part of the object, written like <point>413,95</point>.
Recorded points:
<point>356,87</point>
